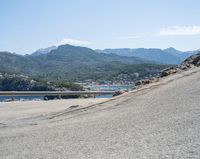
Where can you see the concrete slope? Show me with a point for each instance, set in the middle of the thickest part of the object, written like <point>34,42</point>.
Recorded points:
<point>158,122</point>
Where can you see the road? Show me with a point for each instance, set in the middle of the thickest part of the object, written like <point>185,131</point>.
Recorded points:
<point>158,122</point>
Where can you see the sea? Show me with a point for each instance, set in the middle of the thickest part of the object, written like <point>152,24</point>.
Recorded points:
<point>109,88</point>
<point>92,88</point>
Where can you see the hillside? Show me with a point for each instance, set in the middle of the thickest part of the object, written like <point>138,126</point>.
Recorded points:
<point>13,82</point>
<point>70,63</point>
<point>165,56</point>
<point>44,51</point>
<point>124,74</point>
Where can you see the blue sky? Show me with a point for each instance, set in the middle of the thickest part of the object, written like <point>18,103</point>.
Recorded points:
<point>27,25</point>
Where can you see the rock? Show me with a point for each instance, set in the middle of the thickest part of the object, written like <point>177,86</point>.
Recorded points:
<point>46,98</point>
<point>138,83</point>
<point>168,71</point>
<point>191,61</point>
<point>143,82</point>
<point>117,93</point>
<point>146,81</point>
<point>9,100</point>
<point>154,79</point>
<point>74,106</point>
<point>183,67</point>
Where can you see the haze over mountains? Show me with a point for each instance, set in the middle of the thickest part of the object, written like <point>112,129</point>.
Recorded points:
<point>44,51</point>
<point>165,56</point>
<point>74,63</point>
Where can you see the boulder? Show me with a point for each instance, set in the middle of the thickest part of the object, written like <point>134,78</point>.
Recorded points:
<point>183,67</point>
<point>191,61</point>
<point>138,83</point>
<point>117,93</point>
<point>146,81</point>
<point>168,71</point>
<point>154,79</point>
<point>143,82</point>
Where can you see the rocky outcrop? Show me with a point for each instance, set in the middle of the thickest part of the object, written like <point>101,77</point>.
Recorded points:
<point>146,81</point>
<point>13,82</point>
<point>192,61</point>
<point>142,82</point>
<point>117,93</point>
<point>168,71</point>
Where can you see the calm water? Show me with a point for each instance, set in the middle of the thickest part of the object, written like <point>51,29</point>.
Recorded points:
<point>93,88</point>
<point>109,88</point>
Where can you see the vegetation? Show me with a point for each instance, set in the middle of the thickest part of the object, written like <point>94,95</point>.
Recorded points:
<point>162,56</point>
<point>124,74</point>
<point>68,64</point>
<point>15,82</point>
<point>22,83</point>
<point>60,63</point>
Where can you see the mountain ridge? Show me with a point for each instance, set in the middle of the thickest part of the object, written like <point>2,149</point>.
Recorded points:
<point>67,62</point>
<point>168,56</point>
<point>76,63</point>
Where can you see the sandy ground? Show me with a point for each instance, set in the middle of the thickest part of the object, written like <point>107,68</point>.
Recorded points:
<point>158,121</point>
<point>12,112</point>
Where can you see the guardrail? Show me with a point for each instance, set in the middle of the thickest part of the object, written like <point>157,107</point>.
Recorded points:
<point>53,93</point>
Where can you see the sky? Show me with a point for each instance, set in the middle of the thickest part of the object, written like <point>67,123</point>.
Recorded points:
<point>27,25</point>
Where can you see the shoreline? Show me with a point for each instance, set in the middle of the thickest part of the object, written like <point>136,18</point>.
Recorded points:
<point>133,89</point>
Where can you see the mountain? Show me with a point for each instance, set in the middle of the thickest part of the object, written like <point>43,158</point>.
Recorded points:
<point>166,56</point>
<point>182,55</point>
<point>14,63</point>
<point>13,82</point>
<point>67,63</point>
<point>17,82</point>
<point>44,51</point>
